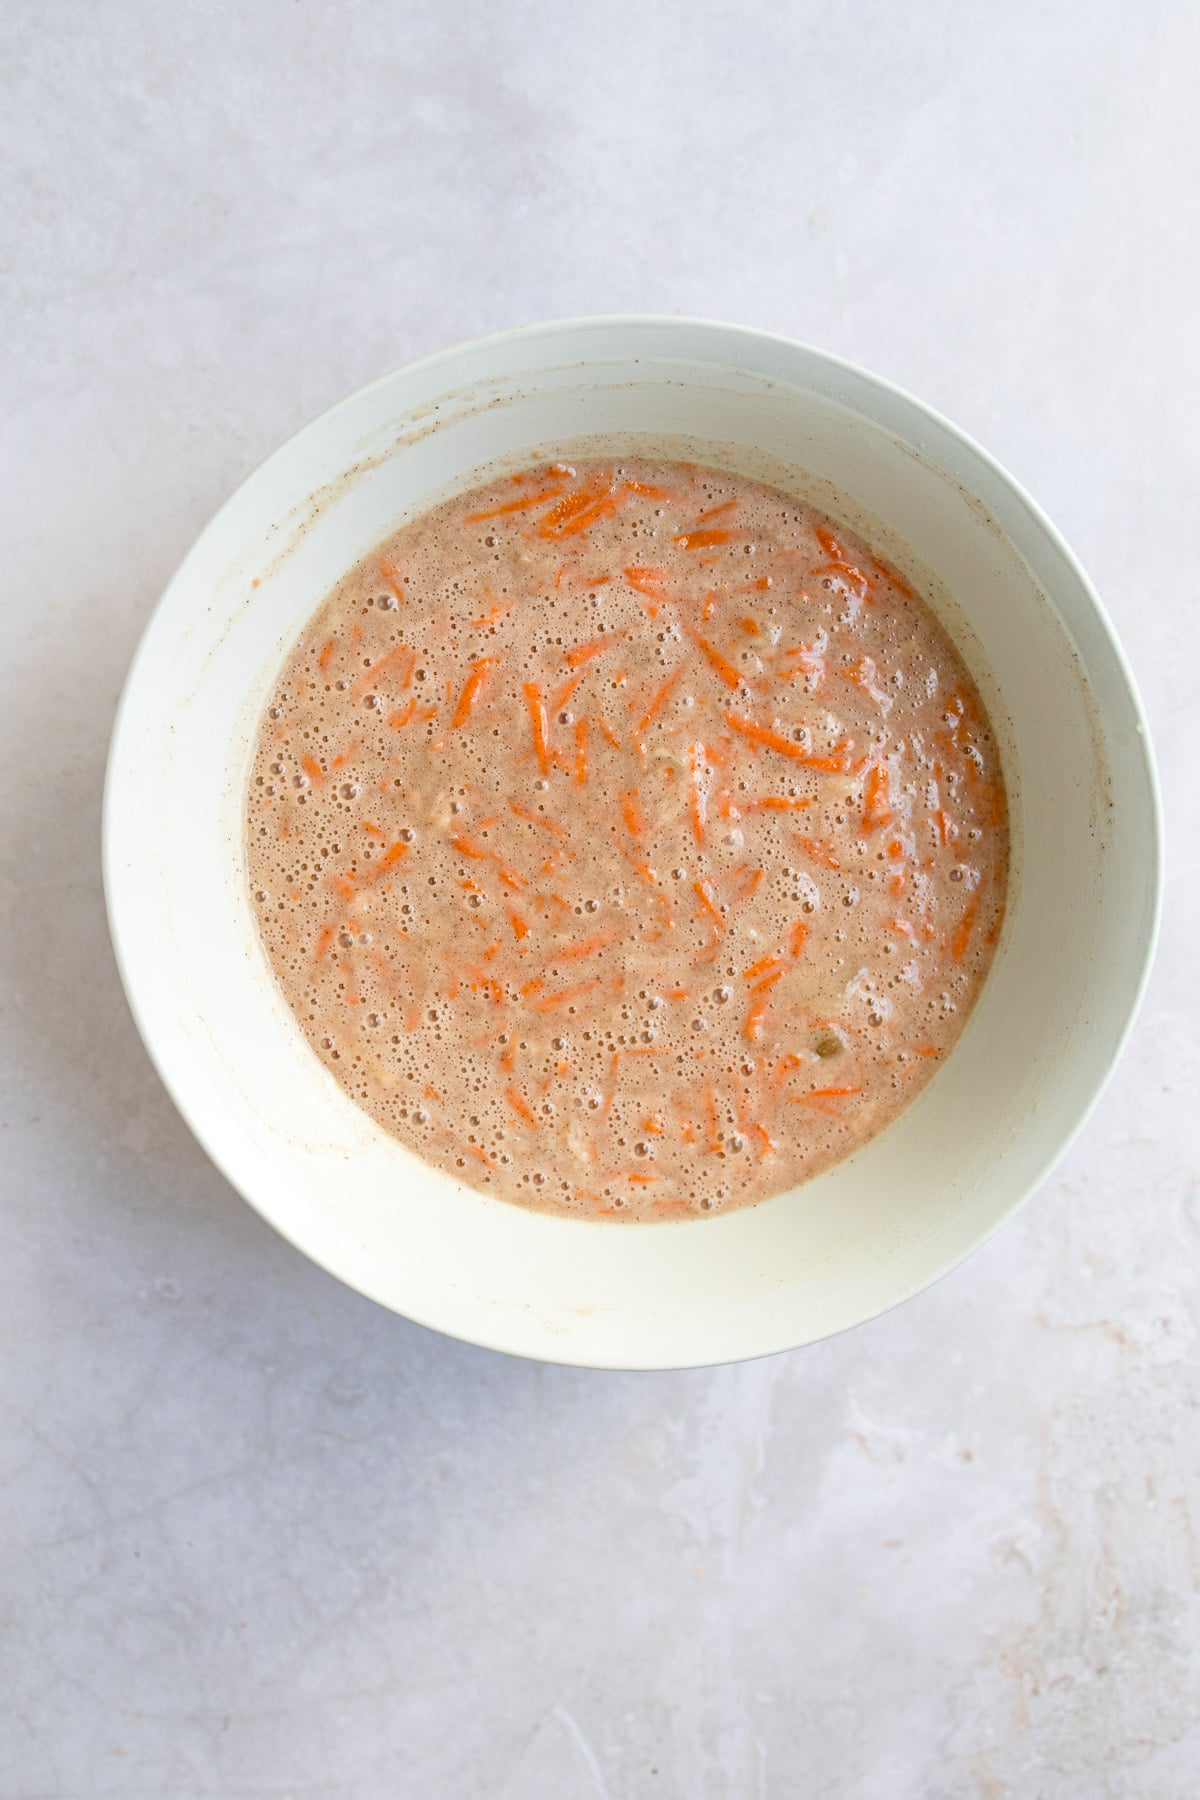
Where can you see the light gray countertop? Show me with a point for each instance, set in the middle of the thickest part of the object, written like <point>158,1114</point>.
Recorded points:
<point>260,1539</point>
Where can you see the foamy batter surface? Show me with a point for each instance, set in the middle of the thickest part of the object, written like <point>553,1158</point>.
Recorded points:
<point>627,840</point>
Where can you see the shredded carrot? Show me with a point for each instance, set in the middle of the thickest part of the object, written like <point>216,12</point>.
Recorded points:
<point>326,653</point>
<point>494,615</point>
<point>521,1107</point>
<point>647,581</point>
<point>564,693</point>
<point>834,764</point>
<point>699,799</point>
<point>523,504</point>
<point>631,812</point>
<point>324,939</point>
<point>705,896</point>
<point>520,926</point>
<point>776,803</point>
<point>763,963</point>
<point>312,769</point>
<point>584,653</point>
<point>468,700</point>
<point>752,1028</point>
<point>702,540</point>
<point>537,724</point>
<point>818,852</point>
<point>587,947</point>
<point>828,542</point>
<point>576,513</point>
<point>659,699</point>
<point>391,575</point>
<point>797,937</point>
<point>725,669</point>
<point>477,1150</point>
<point>468,847</point>
<point>400,654</point>
<point>945,826</point>
<point>548,1002</point>
<point>523,812</point>
<point>876,810</point>
<point>371,829</point>
<point>715,512</point>
<point>610,1092</point>
<point>961,935</point>
<point>607,731</point>
<point>710,1115</point>
<point>581,752</point>
<point>831,1093</point>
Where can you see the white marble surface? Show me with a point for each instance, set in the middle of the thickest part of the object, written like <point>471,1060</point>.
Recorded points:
<point>259,1539</point>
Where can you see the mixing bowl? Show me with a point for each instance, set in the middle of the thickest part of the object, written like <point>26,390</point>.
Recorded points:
<point>1037,1049</point>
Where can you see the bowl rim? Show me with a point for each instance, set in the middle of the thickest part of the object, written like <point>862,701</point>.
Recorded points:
<point>729,334</point>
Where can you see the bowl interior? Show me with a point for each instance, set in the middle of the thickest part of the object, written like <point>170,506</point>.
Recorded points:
<point>875,1228</point>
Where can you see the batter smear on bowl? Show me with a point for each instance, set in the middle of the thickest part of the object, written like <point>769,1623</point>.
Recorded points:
<point>628,840</point>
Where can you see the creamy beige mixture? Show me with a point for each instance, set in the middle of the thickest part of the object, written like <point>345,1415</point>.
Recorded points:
<point>627,840</point>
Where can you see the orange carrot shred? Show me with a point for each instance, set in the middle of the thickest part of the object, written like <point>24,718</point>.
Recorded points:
<point>699,799</point>
<point>818,852</point>
<point>586,947</point>
<point>584,653</point>
<point>647,581</point>
<point>399,654</point>
<point>960,937</point>
<point>581,752</point>
<point>631,812</point>
<point>715,512</point>
<point>659,698</point>
<point>523,504</point>
<point>876,810</point>
<point>537,723</point>
<point>523,812</point>
<point>468,700</point>
<point>565,691</point>
<point>725,669</point>
<point>520,926</point>
<point>764,962</point>
<point>324,939</point>
<point>326,653</point>
<point>752,1028</point>
<point>548,1002</point>
<point>702,540</point>
<point>312,769</point>
<point>468,847</point>
<point>494,615</point>
<point>608,732</point>
<point>834,764</point>
<point>391,575</point>
<point>775,803</point>
<point>521,1107</point>
<point>705,896</point>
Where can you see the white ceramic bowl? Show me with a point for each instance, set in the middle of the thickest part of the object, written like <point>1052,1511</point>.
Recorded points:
<point>1049,1026</point>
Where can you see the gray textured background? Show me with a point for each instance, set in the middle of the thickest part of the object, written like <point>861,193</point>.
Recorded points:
<point>259,1539</point>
